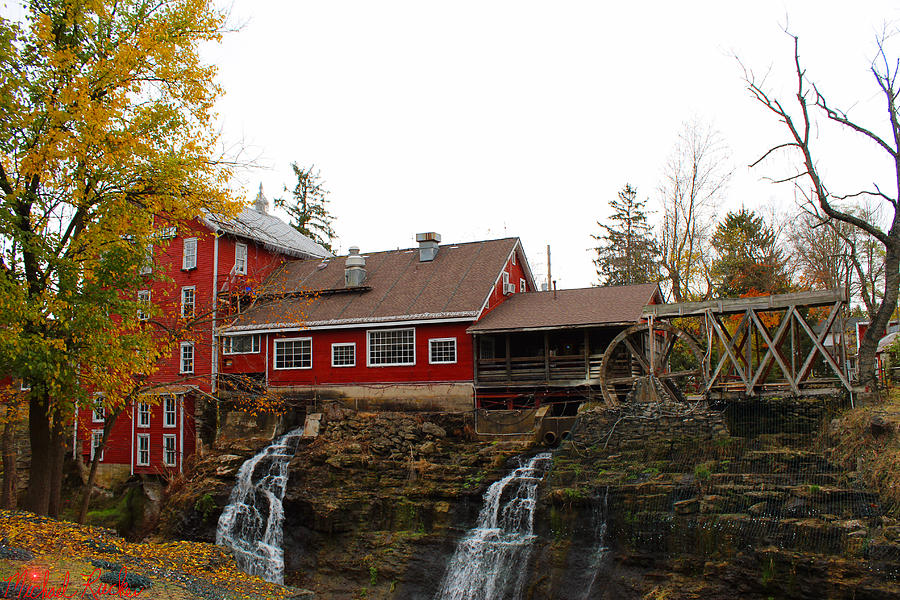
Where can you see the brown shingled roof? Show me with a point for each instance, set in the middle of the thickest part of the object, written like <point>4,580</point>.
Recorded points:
<point>568,308</point>
<point>398,287</point>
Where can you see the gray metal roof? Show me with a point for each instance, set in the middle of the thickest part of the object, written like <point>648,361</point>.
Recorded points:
<point>268,230</point>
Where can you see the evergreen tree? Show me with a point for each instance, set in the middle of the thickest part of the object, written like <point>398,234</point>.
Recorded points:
<point>308,211</point>
<point>627,252</point>
<point>749,259</point>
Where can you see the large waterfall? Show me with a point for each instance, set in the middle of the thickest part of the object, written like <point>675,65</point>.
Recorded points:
<point>251,523</point>
<point>490,562</point>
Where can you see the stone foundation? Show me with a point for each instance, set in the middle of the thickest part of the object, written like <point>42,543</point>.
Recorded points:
<point>108,476</point>
<point>414,397</point>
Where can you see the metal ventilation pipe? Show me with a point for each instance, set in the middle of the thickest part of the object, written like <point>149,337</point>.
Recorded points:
<point>428,245</point>
<point>354,268</point>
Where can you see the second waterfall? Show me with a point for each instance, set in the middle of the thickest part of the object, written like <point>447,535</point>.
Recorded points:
<point>491,561</point>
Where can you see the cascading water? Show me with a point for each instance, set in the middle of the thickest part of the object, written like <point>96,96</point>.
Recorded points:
<point>490,561</point>
<point>601,550</point>
<point>251,523</point>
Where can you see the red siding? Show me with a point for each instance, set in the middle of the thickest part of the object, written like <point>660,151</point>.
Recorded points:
<point>323,373</point>
<point>516,274</point>
<point>118,449</point>
<point>166,296</point>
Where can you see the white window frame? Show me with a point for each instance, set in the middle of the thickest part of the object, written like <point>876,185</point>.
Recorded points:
<point>431,342</point>
<point>143,437</point>
<point>283,341</point>
<point>343,345</point>
<point>174,439</point>
<point>514,259</point>
<point>189,254</point>
<point>505,280</point>
<point>193,303</point>
<point>95,442</point>
<point>185,369</point>
<point>143,410</point>
<point>143,297</point>
<point>522,286</point>
<point>371,332</point>
<point>240,258</point>
<point>147,267</point>
<point>167,413</point>
<point>98,415</point>
<point>228,344</point>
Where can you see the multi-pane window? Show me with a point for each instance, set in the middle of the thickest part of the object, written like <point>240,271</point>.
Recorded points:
<point>143,414</point>
<point>189,256</point>
<point>143,312</point>
<point>442,351</point>
<point>522,287</point>
<point>294,353</point>
<point>169,411</point>
<point>169,450</point>
<point>96,440</point>
<point>240,259</point>
<point>388,347</point>
<point>187,357</point>
<point>99,415</point>
<point>143,449</point>
<point>187,301</point>
<point>240,344</point>
<point>343,355</point>
<point>147,267</point>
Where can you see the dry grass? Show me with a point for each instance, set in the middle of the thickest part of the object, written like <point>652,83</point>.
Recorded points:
<point>867,440</point>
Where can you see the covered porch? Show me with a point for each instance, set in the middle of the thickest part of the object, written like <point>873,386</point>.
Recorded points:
<point>547,347</point>
<point>527,368</point>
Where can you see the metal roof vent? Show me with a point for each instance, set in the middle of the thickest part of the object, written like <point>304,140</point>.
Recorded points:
<point>428,245</point>
<point>354,268</point>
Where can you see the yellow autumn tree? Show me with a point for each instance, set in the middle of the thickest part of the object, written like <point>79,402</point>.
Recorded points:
<point>105,138</point>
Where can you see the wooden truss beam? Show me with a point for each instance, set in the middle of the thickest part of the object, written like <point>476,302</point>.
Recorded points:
<point>753,378</point>
<point>731,306</point>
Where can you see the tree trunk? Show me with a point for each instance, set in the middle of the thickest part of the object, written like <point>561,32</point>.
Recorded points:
<point>676,286</point>
<point>57,457</point>
<point>10,477</point>
<point>38,499</point>
<point>869,344</point>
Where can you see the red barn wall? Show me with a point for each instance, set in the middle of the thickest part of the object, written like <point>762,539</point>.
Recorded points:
<point>322,373</point>
<point>516,274</point>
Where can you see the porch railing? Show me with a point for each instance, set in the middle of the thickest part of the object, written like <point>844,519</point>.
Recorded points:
<point>538,369</point>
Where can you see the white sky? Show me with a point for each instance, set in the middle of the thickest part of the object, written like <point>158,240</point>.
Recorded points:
<point>485,119</point>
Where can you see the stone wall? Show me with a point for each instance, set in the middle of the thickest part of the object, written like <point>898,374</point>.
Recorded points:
<point>709,501</point>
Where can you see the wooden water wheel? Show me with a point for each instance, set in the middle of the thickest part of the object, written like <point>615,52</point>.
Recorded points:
<point>665,364</point>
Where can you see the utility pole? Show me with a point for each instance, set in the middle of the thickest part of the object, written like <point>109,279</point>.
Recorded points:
<point>549,274</point>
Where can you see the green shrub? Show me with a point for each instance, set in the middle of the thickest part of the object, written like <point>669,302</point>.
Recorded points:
<point>205,505</point>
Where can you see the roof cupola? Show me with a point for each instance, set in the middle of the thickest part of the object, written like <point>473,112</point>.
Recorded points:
<point>261,204</point>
